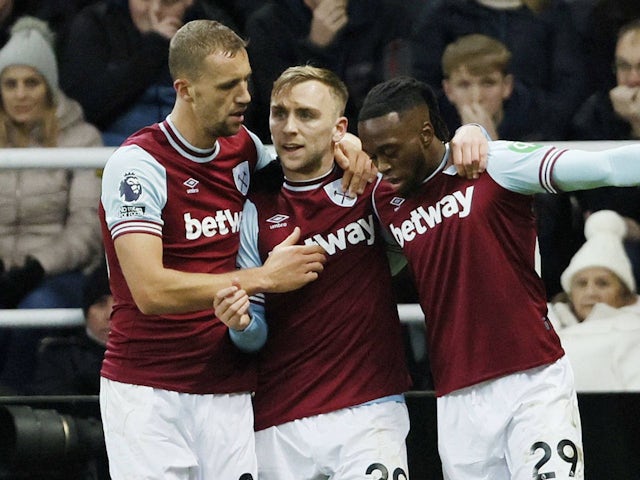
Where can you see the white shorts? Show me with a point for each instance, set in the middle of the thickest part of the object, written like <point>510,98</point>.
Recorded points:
<point>522,426</point>
<point>359,443</point>
<point>152,433</point>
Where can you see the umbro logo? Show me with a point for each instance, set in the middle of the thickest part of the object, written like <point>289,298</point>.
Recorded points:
<point>191,185</point>
<point>396,202</point>
<point>278,221</point>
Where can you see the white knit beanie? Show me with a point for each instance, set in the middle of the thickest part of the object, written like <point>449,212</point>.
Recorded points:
<point>31,45</point>
<point>604,231</point>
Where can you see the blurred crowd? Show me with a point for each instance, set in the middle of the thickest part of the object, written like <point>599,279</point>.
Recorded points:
<point>91,72</point>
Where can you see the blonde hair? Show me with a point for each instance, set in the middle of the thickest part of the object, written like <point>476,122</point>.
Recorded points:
<point>44,133</point>
<point>195,41</point>
<point>293,76</point>
<point>478,53</point>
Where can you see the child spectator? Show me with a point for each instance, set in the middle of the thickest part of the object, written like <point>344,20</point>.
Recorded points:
<point>547,54</point>
<point>478,83</point>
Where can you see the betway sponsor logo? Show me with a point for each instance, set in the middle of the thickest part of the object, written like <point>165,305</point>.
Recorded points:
<point>422,218</point>
<point>222,223</point>
<point>362,230</point>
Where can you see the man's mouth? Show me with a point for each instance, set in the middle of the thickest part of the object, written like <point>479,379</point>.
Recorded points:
<point>291,147</point>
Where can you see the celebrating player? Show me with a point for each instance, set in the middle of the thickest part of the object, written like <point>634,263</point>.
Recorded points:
<point>507,406</point>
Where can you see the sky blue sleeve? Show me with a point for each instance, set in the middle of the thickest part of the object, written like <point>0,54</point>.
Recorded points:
<point>253,337</point>
<point>134,187</point>
<point>582,170</point>
<point>531,168</point>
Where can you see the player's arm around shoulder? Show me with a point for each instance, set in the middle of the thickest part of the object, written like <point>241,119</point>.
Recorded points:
<point>469,150</point>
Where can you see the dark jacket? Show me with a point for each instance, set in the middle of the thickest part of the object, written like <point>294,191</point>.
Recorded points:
<point>68,366</point>
<point>367,51</point>
<point>119,75</point>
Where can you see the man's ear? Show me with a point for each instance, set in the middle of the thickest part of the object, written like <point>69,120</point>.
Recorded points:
<point>340,129</point>
<point>184,89</point>
<point>426,133</point>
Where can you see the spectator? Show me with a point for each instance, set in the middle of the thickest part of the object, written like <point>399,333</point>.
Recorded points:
<point>604,18</point>
<point>115,61</point>
<point>547,56</point>
<point>599,324</point>
<point>614,114</point>
<point>348,37</point>
<point>49,230</point>
<point>70,365</point>
<point>478,84</point>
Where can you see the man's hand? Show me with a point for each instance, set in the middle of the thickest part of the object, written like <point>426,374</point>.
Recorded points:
<point>626,102</point>
<point>329,17</point>
<point>231,306</point>
<point>167,16</point>
<point>358,167</point>
<point>469,150</point>
<point>290,266</point>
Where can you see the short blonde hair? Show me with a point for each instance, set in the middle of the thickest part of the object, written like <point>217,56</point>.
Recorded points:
<point>478,53</point>
<point>195,41</point>
<point>293,76</point>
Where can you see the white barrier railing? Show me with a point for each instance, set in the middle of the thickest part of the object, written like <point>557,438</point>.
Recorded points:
<point>73,317</point>
<point>96,158</point>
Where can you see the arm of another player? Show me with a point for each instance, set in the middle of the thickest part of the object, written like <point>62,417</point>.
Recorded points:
<point>469,150</point>
<point>159,290</point>
<point>358,168</point>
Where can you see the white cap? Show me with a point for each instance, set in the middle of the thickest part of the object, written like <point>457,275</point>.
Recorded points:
<point>604,231</point>
<point>31,45</point>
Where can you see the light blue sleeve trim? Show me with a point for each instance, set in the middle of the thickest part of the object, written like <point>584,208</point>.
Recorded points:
<point>253,337</point>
